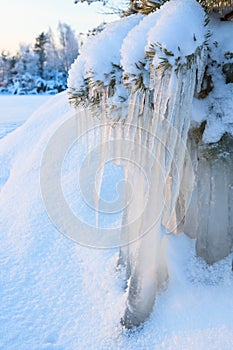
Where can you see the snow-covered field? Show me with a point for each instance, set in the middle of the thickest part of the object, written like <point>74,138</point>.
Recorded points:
<point>14,110</point>
<point>55,294</point>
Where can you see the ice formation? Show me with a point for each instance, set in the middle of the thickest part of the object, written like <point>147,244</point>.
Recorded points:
<point>141,88</point>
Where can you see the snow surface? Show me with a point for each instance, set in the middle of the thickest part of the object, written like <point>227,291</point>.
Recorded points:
<point>14,110</point>
<point>178,34</point>
<point>217,108</point>
<point>55,294</point>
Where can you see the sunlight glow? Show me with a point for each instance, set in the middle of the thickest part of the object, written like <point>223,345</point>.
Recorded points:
<point>21,22</point>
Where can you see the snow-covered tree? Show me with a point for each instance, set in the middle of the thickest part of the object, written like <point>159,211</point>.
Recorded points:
<point>69,45</point>
<point>4,67</point>
<point>52,56</point>
<point>40,50</point>
<point>42,67</point>
<point>27,60</point>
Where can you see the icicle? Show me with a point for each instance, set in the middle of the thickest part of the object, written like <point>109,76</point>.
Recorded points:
<point>173,96</point>
<point>151,140</point>
<point>104,156</point>
<point>117,136</point>
<point>201,59</point>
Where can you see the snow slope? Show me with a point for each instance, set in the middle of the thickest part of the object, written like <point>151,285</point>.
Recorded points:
<point>55,294</point>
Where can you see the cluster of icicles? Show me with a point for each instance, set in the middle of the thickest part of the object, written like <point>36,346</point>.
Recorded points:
<point>148,133</point>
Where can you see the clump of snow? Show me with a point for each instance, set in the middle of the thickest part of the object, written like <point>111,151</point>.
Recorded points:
<point>200,111</point>
<point>179,30</point>
<point>173,33</point>
<point>219,118</point>
<point>216,109</point>
<point>222,37</point>
<point>133,48</point>
<point>101,53</point>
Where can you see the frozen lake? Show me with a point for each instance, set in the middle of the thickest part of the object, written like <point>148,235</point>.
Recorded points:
<point>14,110</point>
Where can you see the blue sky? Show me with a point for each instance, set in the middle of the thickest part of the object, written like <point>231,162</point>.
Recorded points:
<point>22,20</point>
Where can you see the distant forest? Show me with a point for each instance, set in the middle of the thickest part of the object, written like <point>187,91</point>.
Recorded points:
<point>40,67</point>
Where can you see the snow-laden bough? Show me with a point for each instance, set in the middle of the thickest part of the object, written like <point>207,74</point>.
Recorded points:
<point>138,78</point>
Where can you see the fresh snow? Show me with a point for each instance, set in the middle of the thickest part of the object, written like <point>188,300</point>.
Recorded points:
<point>14,110</point>
<point>125,42</point>
<point>133,47</point>
<point>58,295</point>
<point>158,29</point>
<point>180,35</point>
<point>101,53</point>
<point>219,104</point>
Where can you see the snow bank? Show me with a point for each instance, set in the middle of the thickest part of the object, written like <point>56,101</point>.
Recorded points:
<point>56,295</point>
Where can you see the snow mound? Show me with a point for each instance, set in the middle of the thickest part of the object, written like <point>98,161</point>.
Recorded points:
<point>57,295</point>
